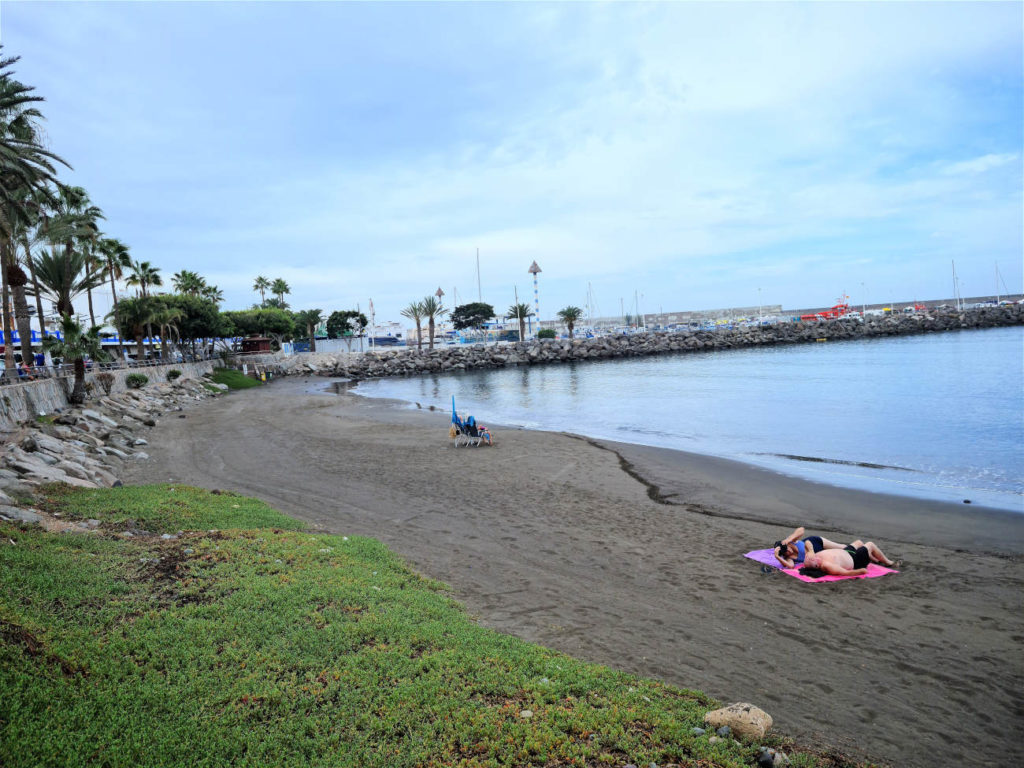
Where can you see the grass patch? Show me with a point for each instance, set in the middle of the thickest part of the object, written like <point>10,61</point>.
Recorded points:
<point>263,644</point>
<point>234,379</point>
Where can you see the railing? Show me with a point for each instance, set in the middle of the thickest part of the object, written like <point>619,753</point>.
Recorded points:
<point>26,375</point>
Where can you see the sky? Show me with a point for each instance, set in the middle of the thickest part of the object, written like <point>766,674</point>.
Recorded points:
<point>666,156</point>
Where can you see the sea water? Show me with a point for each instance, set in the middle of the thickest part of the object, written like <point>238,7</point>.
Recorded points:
<point>938,416</point>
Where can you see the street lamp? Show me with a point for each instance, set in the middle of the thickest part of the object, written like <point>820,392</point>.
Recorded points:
<point>535,270</point>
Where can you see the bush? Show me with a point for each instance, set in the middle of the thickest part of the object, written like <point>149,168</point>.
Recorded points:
<point>106,381</point>
<point>546,333</point>
<point>136,380</point>
<point>173,374</point>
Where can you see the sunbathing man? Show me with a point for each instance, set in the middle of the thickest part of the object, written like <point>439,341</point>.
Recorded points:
<point>852,560</point>
<point>792,550</point>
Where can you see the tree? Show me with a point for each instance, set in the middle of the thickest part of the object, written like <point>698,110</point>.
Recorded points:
<point>569,316</point>
<point>212,293</point>
<point>471,315</point>
<point>261,286</point>
<point>188,282</point>
<point>143,275</point>
<point>27,169</point>
<point>415,313</point>
<point>432,309</point>
<point>280,289</point>
<point>62,277</point>
<point>309,319</point>
<point>116,261</point>
<point>199,317</point>
<point>520,312</point>
<point>345,321</point>
<point>277,323</point>
<point>75,345</point>
<point>132,317</point>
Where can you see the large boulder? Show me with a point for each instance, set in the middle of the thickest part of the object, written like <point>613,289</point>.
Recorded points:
<point>745,720</point>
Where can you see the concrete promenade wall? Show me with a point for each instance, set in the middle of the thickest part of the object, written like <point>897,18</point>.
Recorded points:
<point>23,401</point>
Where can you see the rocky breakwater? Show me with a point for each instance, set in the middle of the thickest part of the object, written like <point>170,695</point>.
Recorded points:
<point>411,362</point>
<point>89,446</point>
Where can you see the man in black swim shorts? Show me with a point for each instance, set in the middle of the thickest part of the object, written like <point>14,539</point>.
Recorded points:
<point>851,560</point>
<point>860,555</point>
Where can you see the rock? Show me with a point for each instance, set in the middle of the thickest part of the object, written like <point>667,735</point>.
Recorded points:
<point>745,720</point>
<point>765,760</point>
<point>97,416</point>
<point>141,456</point>
<point>697,731</point>
<point>221,387</point>
<point>27,516</point>
<point>141,441</point>
<point>714,740</point>
<point>724,731</point>
<point>526,714</point>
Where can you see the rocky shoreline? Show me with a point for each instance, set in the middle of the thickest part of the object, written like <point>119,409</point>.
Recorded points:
<point>412,362</point>
<point>88,447</point>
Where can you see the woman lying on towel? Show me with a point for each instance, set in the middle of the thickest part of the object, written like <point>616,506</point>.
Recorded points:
<point>794,550</point>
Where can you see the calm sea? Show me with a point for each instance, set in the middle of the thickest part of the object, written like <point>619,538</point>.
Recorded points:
<point>941,415</point>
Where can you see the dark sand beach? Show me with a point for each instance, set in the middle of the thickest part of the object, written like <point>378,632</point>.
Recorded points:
<point>632,557</point>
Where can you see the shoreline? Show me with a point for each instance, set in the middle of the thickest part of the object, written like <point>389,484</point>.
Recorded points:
<point>548,537</point>
<point>1000,522</point>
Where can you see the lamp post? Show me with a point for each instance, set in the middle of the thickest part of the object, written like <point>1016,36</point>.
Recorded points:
<point>535,270</point>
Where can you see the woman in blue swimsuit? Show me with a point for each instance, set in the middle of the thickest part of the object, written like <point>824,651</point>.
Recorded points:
<point>792,550</point>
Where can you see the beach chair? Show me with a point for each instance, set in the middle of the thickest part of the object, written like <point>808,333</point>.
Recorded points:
<point>463,433</point>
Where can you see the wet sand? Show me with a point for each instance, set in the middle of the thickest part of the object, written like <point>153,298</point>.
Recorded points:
<point>632,557</point>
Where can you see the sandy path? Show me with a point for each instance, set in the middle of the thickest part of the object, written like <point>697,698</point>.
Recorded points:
<point>546,536</point>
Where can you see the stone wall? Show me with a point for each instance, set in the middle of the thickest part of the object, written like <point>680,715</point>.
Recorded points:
<point>410,362</point>
<point>21,402</point>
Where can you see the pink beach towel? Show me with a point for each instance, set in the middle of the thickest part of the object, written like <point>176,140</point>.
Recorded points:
<point>767,557</point>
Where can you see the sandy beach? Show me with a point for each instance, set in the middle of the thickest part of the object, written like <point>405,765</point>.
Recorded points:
<point>632,557</point>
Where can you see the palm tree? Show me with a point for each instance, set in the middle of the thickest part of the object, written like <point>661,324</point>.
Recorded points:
<point>143,275</point>
<point>132,317</point>
<point>261,286</point>
<point>165,319</point>
<point>212,293</point>
<point>569,316</point>
<point>415,313</point>
<point>280,289</point>
<point>520,312</point>
<point>309,319</point>
<point>432,308</point>
<point>75,345</point>
<point>188,282</point>
<point>53,269</point>
<point>25,165</point>
<point>116,260</point>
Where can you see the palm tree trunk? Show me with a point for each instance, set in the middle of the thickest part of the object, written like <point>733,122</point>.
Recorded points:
<point>140,349</point>
<point>312,340</point>
<point>39,298</point>
<point>23,320</point>
<point>419,336</point>
<point>78,391</point>
<point>430,341</point>
<point>88,292</point>
<point>8,330</point>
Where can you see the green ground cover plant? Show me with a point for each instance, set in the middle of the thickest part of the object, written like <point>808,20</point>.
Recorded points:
<point>234,379</point>
<point>136,380</point>
<point>248,640</point>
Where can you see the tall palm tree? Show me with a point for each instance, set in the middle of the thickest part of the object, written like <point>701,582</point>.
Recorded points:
<point>166,319</point>
<point>432,309</point>
<point>131,317</point>
<point>143,275</point>
<point>212,293</point>
<point>261,286</point>
<point>569,316</point>
<point>520,312</point>
<point>310,319</point>
<point>116,260</point>
<point>188,282</point>
<point>76,344</point>
<point>280,289</point>
<point>25,165</point>
<point>415,313</point>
